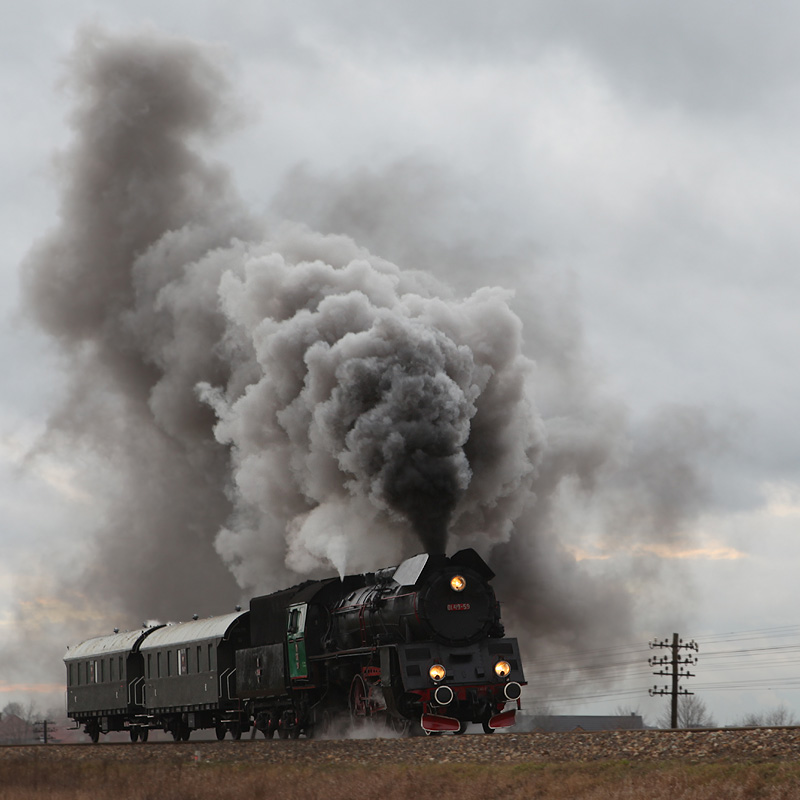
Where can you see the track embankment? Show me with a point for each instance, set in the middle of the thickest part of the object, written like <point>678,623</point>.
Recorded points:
<point>733,745</point>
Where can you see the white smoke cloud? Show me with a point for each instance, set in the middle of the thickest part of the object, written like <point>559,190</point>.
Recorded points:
<point>367,389</point>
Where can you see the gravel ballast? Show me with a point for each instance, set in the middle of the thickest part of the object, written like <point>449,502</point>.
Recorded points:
<point>737,745</point>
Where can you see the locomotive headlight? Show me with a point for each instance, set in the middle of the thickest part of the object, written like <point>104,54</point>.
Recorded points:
<point>458,583</point>
<point>437,672</point>
<point>502,669</point>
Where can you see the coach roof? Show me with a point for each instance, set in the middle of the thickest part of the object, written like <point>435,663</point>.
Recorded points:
<point>193,631</point>
<point>114,643</point>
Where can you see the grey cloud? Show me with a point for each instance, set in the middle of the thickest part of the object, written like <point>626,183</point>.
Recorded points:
<point>708,57</point>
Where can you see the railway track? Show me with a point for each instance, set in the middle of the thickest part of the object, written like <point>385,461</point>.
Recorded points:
<point>707,744</point>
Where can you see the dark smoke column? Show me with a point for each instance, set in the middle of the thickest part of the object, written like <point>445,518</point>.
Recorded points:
<point>402,419</point>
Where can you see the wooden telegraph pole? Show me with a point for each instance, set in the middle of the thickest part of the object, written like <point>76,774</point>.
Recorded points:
<point>676,664</point>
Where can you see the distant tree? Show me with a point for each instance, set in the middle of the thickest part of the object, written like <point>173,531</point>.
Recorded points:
<point>692,713</point>
<point>768,719</point>
<point>13,710</point>
<point>17,723</point>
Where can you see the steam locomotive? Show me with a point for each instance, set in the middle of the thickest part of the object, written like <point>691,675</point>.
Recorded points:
<point>419,647</point>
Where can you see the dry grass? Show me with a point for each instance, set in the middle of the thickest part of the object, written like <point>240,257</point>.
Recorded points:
<point>180,781</point>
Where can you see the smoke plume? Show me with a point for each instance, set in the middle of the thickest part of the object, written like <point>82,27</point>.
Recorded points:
<point>284,397</point>
<point>272,401</point>
<point>366,389</point>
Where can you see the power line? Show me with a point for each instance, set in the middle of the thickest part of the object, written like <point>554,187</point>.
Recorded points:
<point>580,677</point>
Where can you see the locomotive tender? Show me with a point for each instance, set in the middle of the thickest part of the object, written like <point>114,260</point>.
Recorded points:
<point>420,647</point>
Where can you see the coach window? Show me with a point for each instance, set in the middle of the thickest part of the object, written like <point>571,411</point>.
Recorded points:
<point>121,671</point>
<point>210,656</point>
<point>102,670</point>
<point>111,669</point>
<point>182,661</point>
<point>90,673</point>
<point>169,663</point>
<point>158,665</point>
<point>149,665</point>
<point>199,656</point>
<point>69,672</point>
<point>78,674</point>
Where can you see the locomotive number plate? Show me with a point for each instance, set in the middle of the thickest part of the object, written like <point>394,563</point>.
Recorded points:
<point>458,606</point>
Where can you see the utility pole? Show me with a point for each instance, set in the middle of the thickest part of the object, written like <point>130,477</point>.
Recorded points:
<point>41,728</point>
<point>676,663</point>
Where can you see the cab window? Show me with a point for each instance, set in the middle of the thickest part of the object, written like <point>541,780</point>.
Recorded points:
<point>294,619</point>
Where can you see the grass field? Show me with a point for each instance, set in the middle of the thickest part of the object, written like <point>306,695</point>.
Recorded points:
<point>617,779</point>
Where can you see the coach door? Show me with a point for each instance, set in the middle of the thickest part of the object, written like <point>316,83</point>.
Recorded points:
<point>296,641</point>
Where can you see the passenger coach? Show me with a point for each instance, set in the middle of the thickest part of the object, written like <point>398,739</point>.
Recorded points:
<point>419,647</point>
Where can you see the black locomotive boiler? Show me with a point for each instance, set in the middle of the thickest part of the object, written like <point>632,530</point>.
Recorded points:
<point>420,647</point>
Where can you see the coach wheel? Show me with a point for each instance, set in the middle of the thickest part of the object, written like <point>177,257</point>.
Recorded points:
<point>283,733</point>
<point>220,730</point>
<point>236,731</point>
<point>134,734</point>
<point>143,734</point>
<point>94,734</point>
<point>358,700</point>
<point>186,732</point>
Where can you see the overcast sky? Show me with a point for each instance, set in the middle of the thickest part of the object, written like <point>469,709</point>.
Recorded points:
<point>630,170</point>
